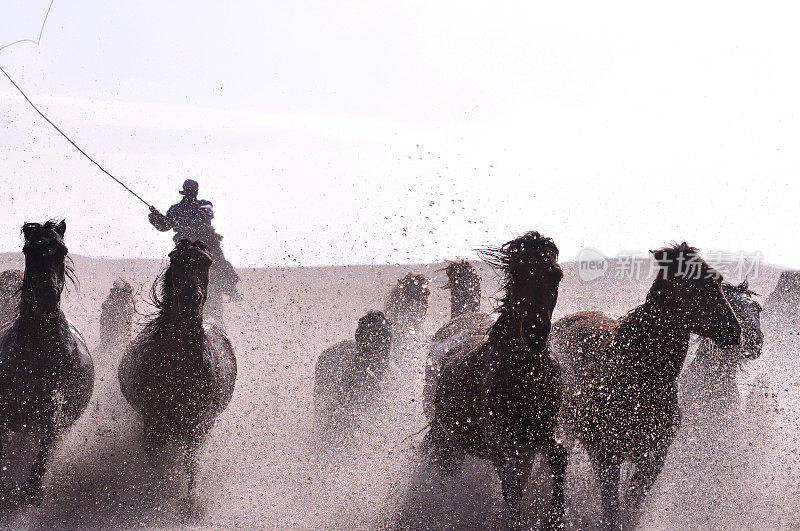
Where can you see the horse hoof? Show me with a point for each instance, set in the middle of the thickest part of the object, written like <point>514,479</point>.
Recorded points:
<point>193,508</point>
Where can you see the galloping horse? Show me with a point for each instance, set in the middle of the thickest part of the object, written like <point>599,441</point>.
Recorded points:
<point>465,319</point>
<point>707,387</point>
<point>405,307</point>
<point>116,317</point>
<point>620,393</point>
<point>348,375</point>
<point>782,309</point>
<point>498,397</point>
<point>46,372</point>
<point>179,373</point>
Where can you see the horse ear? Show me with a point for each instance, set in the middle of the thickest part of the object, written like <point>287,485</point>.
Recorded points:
<point>745,285</point>
<point>664,264</point>
<point>61,228</point>
<point>28,230</point>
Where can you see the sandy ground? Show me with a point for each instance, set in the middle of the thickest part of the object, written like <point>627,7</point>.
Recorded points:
<point>259,468</point>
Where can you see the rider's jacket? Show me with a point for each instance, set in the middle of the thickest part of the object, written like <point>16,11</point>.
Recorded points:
<point>191,219</point>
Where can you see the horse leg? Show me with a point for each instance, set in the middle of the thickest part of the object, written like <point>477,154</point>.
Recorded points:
<point>524,468</point>
<point>505,455</point>
<point>440,450</point>
<point>556,456</point>
<point>190,465</point>
<point>4,433</point>
<point>190,459</point>
<point>647,470</point>
<point>31,492</point>
<point>607,469</point>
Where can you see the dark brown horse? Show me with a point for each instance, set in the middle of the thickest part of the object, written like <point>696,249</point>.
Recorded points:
<point>116,318</point>
<point>465,320</point>
<point>179,373</point>
<point>782,309</point>
<point>348,376</point>
<point>46,372</point>
<point>707,387</point>
<point>406,305</point>
<point>498,396</point>
<point>621,397</point>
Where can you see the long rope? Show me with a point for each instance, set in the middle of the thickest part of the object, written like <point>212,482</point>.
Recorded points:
<point>41,30</point>
<point>35,108</point>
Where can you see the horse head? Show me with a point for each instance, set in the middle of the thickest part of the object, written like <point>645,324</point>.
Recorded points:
<point>531,275</point>
<point>116,318</point>
<point>407,303</point>
<point>689,288</point>
<point>465,287</point>
<point>186,279</point>
<point>374,336</point>
<point>748,312</point>
<point>46,266</point>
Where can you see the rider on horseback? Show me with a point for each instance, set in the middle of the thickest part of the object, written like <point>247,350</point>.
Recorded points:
<point>191,219</point>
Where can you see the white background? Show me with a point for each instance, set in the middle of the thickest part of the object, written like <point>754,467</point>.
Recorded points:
<point>381,132</point>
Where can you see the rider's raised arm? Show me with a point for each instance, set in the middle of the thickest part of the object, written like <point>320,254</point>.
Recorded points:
<point>159,220</point>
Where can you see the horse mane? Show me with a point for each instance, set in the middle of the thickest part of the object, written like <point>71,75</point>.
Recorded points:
<point>411,287</point>
<point>506,260</point>
<point>410,284</point>
<point>741,289</point>
<point>460,269</point>
<point>672,262</point>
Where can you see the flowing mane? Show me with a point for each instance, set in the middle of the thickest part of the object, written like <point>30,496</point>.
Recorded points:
<point>506,260</point>
<point>678,260</point>
<point>464,285</point>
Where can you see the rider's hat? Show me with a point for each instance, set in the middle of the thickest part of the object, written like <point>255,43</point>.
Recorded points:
<point>190,187</point>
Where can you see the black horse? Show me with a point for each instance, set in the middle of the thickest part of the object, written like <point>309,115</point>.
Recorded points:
<point>46,372</point>
<point>621,396</point>
<point>179,373</point>
<point>707,387</point>
<point>465,320</point>
<point>347,378</point>
<point>498,397</point>
<point>116,318</point>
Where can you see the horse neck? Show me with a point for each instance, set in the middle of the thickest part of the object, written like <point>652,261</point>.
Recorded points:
<point>505,336</point>
<point>188,332</point>
<point>30,321</point>
<point>462,302</point>
<point>653,334</point>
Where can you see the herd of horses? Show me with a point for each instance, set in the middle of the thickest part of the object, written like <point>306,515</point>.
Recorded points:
<point>508,386</point>
<point>502,387</point>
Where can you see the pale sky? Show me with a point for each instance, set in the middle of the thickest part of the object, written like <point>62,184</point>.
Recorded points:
<point>382,132</point>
